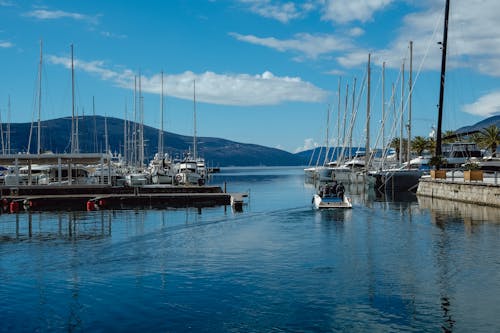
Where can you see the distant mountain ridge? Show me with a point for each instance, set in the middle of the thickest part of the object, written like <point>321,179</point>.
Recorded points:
<point>494,120</point>
<point>55,137</point>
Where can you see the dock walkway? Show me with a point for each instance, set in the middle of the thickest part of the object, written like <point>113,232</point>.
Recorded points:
<point>81,197</point>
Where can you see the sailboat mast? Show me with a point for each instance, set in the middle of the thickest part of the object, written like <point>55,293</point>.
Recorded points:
<point>353,117</point>
<point>327,143</point>
<point>368,100</point>
<point>134,126</point>
<point>106,141</point>
<point>402,113</point>
<point>160,134</point>
<point>125,135</point>
<point>95,124</point>
<point>141,115</point>
<point>39,147</point>
<point>383,105</point>
<point>1,133</point>
<point>410,84</point>
<point>73,148</point>
<point>441,86</point>
<point>344,120</point>
<point>195,148</point>
<point>8,127</point>
<point>335,153</point>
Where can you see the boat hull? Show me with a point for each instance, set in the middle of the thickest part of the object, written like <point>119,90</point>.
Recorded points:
<point>331,202</point>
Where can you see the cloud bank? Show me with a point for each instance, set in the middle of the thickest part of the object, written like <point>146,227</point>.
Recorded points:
<point>43,14</point>
<point>487,105</point>
<point>221,89</point>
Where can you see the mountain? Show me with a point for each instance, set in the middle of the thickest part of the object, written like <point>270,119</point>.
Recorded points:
<point>494,120</point>
<point>55,137</point>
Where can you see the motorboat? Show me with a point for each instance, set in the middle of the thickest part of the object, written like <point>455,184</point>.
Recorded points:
<point>331,196</point>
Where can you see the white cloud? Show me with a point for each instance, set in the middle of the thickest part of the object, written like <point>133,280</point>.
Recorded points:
<point>487,105</point>
<point>5,45</point>
<point>309,143</point>
<point>472,42</point>
<point>280,11</point>
<point>352,10</point>
<point>5,3</point>
<point>113,35</point>
<point>310,45</point>
<point>43,14</point>
<point>336,72</point>
<point>356,32</point>
<point>222,89</point>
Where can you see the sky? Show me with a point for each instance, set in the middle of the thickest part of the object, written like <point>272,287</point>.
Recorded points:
<point>265,72</point>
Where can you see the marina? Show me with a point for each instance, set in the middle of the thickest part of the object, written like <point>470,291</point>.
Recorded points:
<point>299,208</point>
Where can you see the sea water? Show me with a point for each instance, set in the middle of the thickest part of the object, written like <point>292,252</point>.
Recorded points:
<point>392,263</point>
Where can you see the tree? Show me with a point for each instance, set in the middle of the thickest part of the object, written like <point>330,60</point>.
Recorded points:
<point>419,144</point>
<point>489,138</point>
<point>395,144</point>
<point>449,136</point>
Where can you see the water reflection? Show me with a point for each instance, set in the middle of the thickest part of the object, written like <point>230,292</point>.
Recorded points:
<point>387,265</point>
<point>333,215</point>
<point>68,226</point>
<point>441,210</point>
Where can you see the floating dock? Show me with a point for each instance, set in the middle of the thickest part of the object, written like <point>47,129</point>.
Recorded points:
<point>90,197</point>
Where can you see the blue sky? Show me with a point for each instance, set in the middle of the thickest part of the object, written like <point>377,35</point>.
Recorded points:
<point>266,71</point>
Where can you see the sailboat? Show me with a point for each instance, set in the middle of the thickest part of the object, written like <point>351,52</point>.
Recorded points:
<point>160,166</point>
<point>191,170</point>
<point>354,170</point>
<point>405,176</point>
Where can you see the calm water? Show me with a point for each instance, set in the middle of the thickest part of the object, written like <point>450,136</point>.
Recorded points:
<point>389,264</point>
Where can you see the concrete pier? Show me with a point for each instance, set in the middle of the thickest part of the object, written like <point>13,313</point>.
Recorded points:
<point>480,193</point>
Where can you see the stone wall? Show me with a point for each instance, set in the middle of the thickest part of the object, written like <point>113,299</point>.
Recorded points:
<point>474,192</point>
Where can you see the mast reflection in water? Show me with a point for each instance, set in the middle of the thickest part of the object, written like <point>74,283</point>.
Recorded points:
<point>386,265</point>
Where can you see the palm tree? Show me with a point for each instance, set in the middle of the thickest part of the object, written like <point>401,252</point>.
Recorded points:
<point>419,144</point>
<point>449,136</point>
<point>395,144</point>
<point>489,138</point>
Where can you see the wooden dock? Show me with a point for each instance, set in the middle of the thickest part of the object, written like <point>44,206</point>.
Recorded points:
<point>90,197</point>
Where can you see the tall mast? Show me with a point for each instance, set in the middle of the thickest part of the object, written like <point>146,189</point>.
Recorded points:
<point>368,99</point>
<point>344,142</point>
<point>125,134</point>
<point>338,120</point>
<point>353,109</point>
<point>410,84</point>
<point>73,147</point>
<point>95,124</point>
<point>160,134</point>
<point>141,128</point>
<point>383,105</point>
<point>195,152</point>
<point>106,141</point>
<point>402,112</point>
<point>327,143</point>
<point>8,127</point>
<point>134,126</point>
<point>39,147</point>
<point>1,132</point>
<point>441,86</point>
